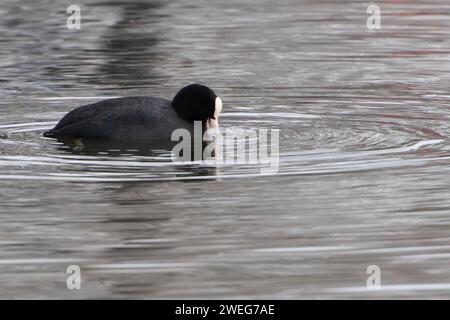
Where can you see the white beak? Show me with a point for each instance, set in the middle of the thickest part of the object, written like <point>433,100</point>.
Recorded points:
<point>214,123</point>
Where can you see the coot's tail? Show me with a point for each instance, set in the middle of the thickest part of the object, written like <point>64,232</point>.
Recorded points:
<point>50,133</point>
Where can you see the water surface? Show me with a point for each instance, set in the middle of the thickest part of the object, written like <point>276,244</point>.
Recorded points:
<point>364,151</point>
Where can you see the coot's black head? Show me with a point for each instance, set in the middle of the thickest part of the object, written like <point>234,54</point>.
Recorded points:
<point>197,103</point>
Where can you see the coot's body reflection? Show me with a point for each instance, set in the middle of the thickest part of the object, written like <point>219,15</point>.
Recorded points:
<point>145,150</point>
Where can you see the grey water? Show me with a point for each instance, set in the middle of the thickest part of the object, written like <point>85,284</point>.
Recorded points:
<point>363,179</point>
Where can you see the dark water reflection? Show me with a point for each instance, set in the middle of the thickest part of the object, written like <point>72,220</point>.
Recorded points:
<point>364,153</point>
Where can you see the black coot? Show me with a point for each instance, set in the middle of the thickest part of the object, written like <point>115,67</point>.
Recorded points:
<point>141,118</point>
